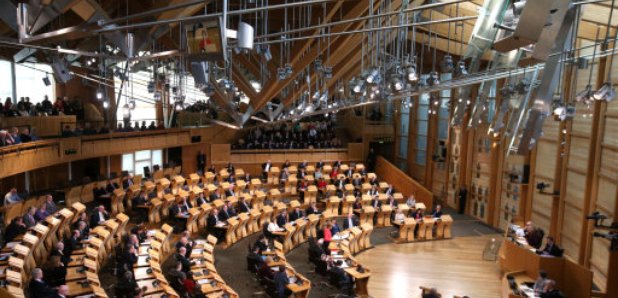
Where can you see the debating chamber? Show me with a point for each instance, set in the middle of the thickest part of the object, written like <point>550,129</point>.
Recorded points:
<point>308,148</point>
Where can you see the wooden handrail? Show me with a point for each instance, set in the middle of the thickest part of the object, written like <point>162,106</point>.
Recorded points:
<point>257,151</point>
<point>402,182</point>
<point>29,145</point>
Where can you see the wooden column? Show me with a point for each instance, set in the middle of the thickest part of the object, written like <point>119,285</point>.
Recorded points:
<point>594,161</point>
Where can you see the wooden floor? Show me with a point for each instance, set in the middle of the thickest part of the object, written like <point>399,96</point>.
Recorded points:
<point>454,267</point>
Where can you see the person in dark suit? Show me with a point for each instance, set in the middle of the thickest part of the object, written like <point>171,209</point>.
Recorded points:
<point>266,168</point>
<point>282,219</point>
<point>243,206</point>
<point>98,216</point>
<point>201,199</point>
<point>303,165</point>
<point>551,248</point>
<point>319,165</point>
<point>375,203</point>
<point>54,272</point>
<point>216,195</point>
<point>350,221</point>
<point>286,164</point>
<point>337,163</point>
<point>14,229</point>
<point>201,161</point>
<point>296,214</point>
<point>224,214</point>
<point>38,287</point>
<point>111,186</point>
<point>261,243</point>
<point>230,168</point>
<point>60,252</point>
<point>127,182</point>
<point>437,213</point>
<point>212,220</point>
<point>72,243</point>
<point>254,259</point>
<point>180,257</point>
<point>188,245</point>
<point>343,280</point>
<point>312,209</point>
<point>334,227</point>
<point>230,191</point>
<point>281,282</point>
<point>432,293</point>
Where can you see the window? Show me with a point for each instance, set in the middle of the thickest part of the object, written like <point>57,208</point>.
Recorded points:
<point>443,109</point>
<point>134,163</point>
<point>144,101</point>
<point>6,88</point>
<point>29,81</point>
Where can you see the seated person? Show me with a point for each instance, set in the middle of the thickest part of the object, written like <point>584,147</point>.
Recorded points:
<point>399,217</point>
<point>296,214</point>
<point>41,213</point>
<point>312,209</point>
<point>188,245</point>
<point>14,229</point>
<point>180,256</point>
<point>55,272</point>
<point>550,291</point>
<point>72,243</point>
<point>98,216</point>
<point>431,293</point>
<point>254,259</point>
<point>282,219</point>
<point>29,219</point>
<point>213,220</point>
<point>533,235</point>
<point>281,283</point>
<point>38,287</point>
<point>551,248</point>
<point>243,206</point>
<point>60,252</point>
<point>340,278</point>
<point>264,270</point>
<point>437,213</point>
<point>350,221</point>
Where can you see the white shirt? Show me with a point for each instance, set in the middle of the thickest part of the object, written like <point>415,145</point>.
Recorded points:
<point>101,216</point>
<point>9,199</point>
<point>273,227</point>
<point>267,168</point>
<point>399,217</point>
<point>350,222</point>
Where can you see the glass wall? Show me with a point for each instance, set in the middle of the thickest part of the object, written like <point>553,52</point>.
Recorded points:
<point>134,163</point>
<point>28,81</point>
<point>422,123</point>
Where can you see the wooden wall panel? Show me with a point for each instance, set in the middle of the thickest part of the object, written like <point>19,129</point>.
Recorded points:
<point>402,182</point>
<point>571,231</point>
<point>576,187</point>
<point>220,153</point>
<point>541,211</point>
<point>599,261</point>
<point>606,202</point>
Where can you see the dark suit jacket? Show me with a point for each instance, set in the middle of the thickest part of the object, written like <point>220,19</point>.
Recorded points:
<point>553,250</point>
<point>310,211</point>
<point>223,216</point>
<point>125,183</point>
<point>186,264</point>
<point>39,289</point>
<point>295,215</point>
<point>319,165</point>
<point>281,220</point>
<point>346,224</point>
<point>243,207</point>
<point>95,219</point>
<point>12,231</point>
<point>281,281</point>
<point>376,203</point>
<point>212,220</point>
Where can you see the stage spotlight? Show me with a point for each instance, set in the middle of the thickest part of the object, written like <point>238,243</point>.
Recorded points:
<point>606,93</point>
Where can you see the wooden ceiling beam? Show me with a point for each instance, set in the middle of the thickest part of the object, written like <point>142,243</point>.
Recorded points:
<point>275,86</point>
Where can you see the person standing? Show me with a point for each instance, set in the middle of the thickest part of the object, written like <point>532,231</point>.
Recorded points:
<point>201,161</point>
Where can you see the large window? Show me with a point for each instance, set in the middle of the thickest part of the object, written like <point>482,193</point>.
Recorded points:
<point>443,109</point>
<point>134,163</point>
<point>29,81</point>
<point>6,88</point>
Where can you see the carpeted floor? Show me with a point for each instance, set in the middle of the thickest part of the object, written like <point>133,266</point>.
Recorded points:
<point>232,266</point>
